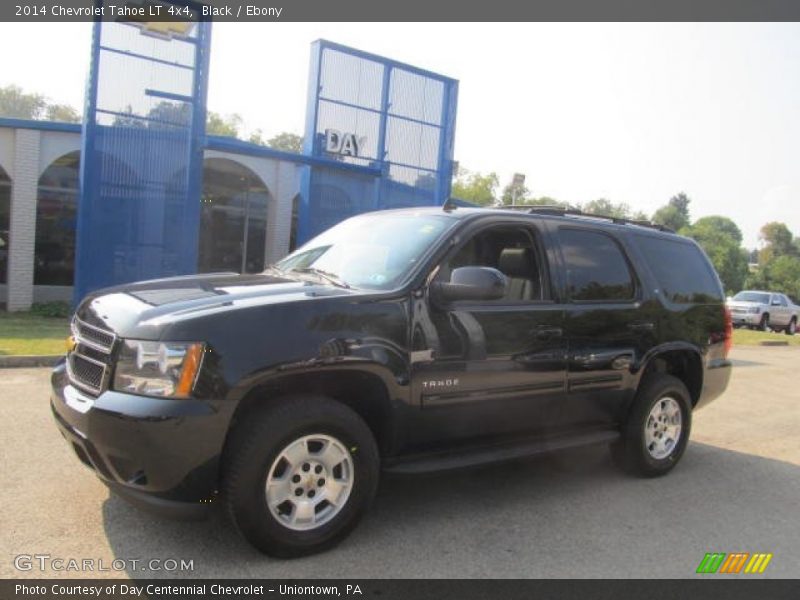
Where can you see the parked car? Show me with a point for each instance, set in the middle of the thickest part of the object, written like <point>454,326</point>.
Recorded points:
<point>406,341</point>
<point>764,311</point>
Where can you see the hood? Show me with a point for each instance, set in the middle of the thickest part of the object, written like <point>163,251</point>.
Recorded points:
<point>143,309</point>
<point>741,304</point>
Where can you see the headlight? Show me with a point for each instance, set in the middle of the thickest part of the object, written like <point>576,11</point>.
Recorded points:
<point>754,310</point>
<point>166,369</point>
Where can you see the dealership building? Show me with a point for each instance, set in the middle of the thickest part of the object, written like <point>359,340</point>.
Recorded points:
<point>249,196</point>
<point>139,191</point>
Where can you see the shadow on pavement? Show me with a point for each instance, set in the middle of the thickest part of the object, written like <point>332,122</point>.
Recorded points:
<point>570,514</point>
<point>737,362</point>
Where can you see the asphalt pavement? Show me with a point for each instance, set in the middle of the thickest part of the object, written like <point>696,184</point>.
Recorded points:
<point>568,515</point>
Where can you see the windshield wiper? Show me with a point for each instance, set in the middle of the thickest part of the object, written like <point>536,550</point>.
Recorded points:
<point>331,278</point>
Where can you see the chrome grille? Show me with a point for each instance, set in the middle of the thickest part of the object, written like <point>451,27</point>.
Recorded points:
<point>92,336</point>
<point>89,363</point>
<point>86,373</point>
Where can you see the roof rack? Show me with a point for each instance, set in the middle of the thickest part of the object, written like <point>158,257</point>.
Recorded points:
<point>562,211</point>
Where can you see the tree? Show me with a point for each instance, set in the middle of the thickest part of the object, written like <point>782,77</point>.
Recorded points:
<point>166,113</point>
<point>780,274</point>
<point>16,104</point>
<point>229,125</point>
<point>674,214</point>
<point>257,137</point>
<point>515,194</point>
<point>604,207</point>
<point>63,113</point>
<point>777,240</point>
<point>784,275</point>
<point>475,187</point>
<point>721,239</point>
<point>288,142</point>
<point>545,201</point>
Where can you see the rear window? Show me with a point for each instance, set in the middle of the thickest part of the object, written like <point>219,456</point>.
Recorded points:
<point>681,269</point>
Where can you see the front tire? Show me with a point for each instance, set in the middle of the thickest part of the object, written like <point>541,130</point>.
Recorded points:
<point>299,475</point>
<point>656,433</point>
<point>763,325</point>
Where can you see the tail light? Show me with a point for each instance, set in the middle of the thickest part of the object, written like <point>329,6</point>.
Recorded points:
<point>728,330</point>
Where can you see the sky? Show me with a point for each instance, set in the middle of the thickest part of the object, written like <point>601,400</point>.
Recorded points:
<point>630,112</point>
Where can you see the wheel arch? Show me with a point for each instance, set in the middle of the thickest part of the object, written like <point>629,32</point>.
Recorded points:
<point>365,391</point>
<point>680,360</point>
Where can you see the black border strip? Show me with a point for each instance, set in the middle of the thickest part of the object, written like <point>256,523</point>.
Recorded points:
<point>427,11</point>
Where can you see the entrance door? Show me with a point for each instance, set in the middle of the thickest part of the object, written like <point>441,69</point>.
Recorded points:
<point>233,218</point>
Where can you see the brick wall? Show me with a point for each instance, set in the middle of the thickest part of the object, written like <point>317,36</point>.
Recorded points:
<point>22,235</point>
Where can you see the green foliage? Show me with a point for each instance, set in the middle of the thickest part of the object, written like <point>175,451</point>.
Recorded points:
<point>778,262</point>
<point>778,241</point>
<point>288,142</point>
<point>723,224</point>
<point>51,309</point>
<point>545,201</point>
<point>63,113</point>
<point>721,239</point>
<point>674,214</point>
<point>17,104</point>
<point>228,125</point>
<point>515,194</point>
<point>475,187</point>
<point>604,207</point>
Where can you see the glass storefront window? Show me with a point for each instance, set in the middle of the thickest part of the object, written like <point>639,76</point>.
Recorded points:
<point>233,222</point>
<point>5,222</point>
<point>56,212</point>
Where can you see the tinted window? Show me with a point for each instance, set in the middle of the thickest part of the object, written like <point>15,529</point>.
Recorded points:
<point>682,271</point>
<point>596,267</point>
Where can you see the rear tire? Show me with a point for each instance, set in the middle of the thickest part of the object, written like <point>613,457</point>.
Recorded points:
<point>791,328</point>
<point>299,475</point>
<point>656,432</point>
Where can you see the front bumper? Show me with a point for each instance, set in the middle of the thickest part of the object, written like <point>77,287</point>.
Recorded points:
<point>159,454</point>
<point>745,318</point>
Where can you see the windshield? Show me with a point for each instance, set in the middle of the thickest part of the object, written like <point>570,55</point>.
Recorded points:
<point>373,251</point>
<point>758,297</point>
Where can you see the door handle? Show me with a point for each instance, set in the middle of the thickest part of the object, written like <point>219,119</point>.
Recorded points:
<point>642,326</point>
<point>547,333</point>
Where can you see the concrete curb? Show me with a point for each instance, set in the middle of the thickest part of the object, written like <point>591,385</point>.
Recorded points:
<point>773,343</point>
<point>12,362</point>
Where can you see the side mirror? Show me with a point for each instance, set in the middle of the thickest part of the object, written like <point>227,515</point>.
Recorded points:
<point>471,283</point>
<point>776,303</point>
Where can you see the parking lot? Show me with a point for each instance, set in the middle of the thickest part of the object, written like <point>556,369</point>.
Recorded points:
<point>566,515</point>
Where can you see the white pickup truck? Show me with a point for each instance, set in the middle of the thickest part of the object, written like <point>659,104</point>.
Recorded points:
<point>764,311</point>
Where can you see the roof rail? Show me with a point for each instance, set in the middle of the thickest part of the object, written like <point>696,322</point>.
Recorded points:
<point>548,209</point>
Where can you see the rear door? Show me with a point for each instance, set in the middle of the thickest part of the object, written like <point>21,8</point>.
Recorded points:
<point>608,325</point>
<point>779,311</point>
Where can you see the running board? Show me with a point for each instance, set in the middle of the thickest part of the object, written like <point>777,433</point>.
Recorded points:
<point>482,455</point>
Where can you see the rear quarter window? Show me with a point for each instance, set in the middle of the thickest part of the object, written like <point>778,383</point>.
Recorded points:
<point>682,271</point>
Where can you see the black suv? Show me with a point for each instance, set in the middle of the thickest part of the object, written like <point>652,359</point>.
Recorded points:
<point>404,341</point>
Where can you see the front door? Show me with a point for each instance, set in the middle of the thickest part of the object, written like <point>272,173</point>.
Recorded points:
<point>482,369</point>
